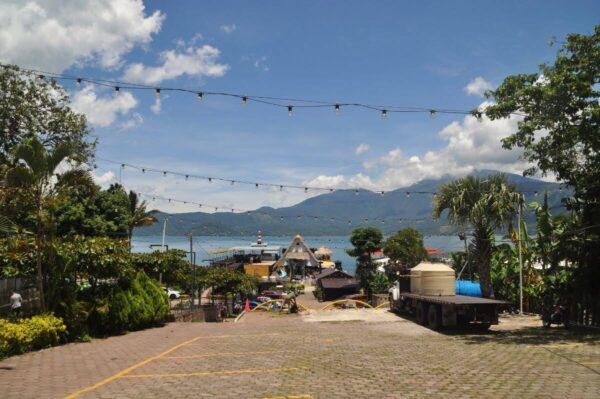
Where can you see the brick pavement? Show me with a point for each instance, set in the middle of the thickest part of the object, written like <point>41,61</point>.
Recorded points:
<point>266,356</point>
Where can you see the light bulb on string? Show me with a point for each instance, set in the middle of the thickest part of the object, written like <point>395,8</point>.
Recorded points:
<point>408,194</point>
<point>157,93</point>
<point>290,108</point>
<point>143,170</point>
<point>382,193</point>
<point>165,173</point>
<point>355,192</point>
<point>117,90</point>
<point>256,185</point>
<point>200,96</point>
<point>306,189</point>
<point>187,177</point>
<point>280,188</point>
<point>216,208</point>
<point>432,113</point>
<point>232,182</point>
<point>78,82</point>
<point>244,100</point>
<point>384,113</point>
<point>337,109</point>
<point>331,190</point>
<point>210,179</point>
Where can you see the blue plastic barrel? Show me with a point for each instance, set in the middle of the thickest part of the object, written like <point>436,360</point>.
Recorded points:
<point>468,288</point>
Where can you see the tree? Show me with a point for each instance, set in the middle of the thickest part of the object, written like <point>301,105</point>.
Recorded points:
<point>486,205</point>
<point>365,240</point>
<point>139,216</point>
<point>34,107</point>
<point>560,134</point>
<point>35,166</point>
<point>405,250</point>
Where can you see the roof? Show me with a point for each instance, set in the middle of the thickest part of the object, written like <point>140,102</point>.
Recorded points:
<point>334,273</point>
<point>298,250</point>
<point>323,251</point>
<point>339,282</point>
<point>434,251</point>
<point>327,263</point>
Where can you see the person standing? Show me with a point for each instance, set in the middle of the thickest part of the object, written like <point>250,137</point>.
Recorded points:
<point>16,302</point>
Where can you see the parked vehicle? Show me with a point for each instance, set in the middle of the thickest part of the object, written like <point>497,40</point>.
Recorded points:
<point>171,293</point>
<point>430,295</point>
<point>557,315</point>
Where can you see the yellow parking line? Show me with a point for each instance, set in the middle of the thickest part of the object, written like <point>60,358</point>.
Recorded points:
<point>240,335</point>
<point>589,363</point>
<point>227,354</point>
<point>128,369</point>
<point>221,372</point>
<point>290,397</point>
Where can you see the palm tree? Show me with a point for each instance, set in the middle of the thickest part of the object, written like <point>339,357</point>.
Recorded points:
<point>139,216</point>
<point>33,171</point>
<point>486,205</point>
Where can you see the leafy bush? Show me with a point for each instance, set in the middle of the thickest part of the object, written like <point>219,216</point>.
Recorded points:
<point>142,303</point>
<point>26,335</point>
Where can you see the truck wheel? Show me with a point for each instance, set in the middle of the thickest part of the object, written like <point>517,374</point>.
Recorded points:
<point>434,317</point>
<point>421,313</point>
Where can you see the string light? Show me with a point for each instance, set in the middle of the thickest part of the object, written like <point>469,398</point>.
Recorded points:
<point>266,100</point>
<point>78,82</point>
<point>290,108</point>
<point>337,109</point>
<point>432,113</point>
<point>281,187</point>
<point>200,96</point>
<point>117,90</point>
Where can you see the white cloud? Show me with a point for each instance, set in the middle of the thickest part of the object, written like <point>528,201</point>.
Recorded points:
<point>362,148</point>
<point>228,28</point>
<point>135,120</point>
<point>478,86</point>
<point>470,145</point>
<point>104,178</point>
<point>56,34</point>
<point>102,110</point>
<point>192,61</point>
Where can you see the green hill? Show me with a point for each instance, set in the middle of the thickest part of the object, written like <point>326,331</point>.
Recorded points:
<point>339,212</point>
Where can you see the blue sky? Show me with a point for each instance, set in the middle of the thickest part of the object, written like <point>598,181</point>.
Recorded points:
<point>435,55</point>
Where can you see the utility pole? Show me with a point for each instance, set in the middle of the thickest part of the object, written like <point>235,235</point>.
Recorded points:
<point>162,246</point>
<point>192,265</point>
<point>520,260</point>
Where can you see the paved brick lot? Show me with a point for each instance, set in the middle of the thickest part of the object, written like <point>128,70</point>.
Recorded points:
<point>266,356</point>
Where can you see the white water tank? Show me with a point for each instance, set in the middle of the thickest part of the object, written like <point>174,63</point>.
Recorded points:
<point>432,279</point>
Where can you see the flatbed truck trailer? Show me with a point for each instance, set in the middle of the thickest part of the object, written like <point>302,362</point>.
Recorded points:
<point>447,310</point>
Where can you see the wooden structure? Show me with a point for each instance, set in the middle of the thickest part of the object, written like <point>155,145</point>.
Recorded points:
<point>299,259</point>
<point>335,284</point>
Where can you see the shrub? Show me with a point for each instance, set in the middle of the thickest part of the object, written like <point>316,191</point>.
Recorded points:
<point>30,334</point>
<point>142,304</point>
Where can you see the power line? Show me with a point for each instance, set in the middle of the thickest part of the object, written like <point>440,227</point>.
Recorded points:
<point>286,103</point>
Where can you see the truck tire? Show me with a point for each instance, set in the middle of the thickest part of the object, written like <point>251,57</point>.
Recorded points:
<point>434,317</point>
<point>421,313</point>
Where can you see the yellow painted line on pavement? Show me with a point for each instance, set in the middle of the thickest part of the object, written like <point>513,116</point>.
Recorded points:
<point>227,354</point>
<point>589,363</point>
<point>128,369</point>
<point>240,335</point>
<point>220,372</point>
<point>290,397</point>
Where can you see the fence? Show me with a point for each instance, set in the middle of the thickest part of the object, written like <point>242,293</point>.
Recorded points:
<point>23,287</point>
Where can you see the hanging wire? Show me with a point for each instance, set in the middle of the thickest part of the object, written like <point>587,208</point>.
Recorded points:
<point>281,102</point>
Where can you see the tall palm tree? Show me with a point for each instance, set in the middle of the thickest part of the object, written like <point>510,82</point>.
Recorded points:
<point>485,205</point>
<point>139,216</point>
<point>33,170</point>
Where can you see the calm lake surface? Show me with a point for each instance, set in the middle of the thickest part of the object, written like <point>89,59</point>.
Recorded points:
<point>338,244</point>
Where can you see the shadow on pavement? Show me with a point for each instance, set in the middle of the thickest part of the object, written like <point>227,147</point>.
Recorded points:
<point>527,336</point>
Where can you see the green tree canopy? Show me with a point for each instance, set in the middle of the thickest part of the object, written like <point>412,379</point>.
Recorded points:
<point>559,132</point>
<point>365,241</point>
<point>405,250</point>
<point>35,107</point>
<point>486,205</point>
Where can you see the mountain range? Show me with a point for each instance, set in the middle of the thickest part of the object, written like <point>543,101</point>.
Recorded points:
<point>339,212</point>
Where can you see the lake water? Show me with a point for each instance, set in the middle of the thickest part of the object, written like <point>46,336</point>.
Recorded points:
<point>338,244</point>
